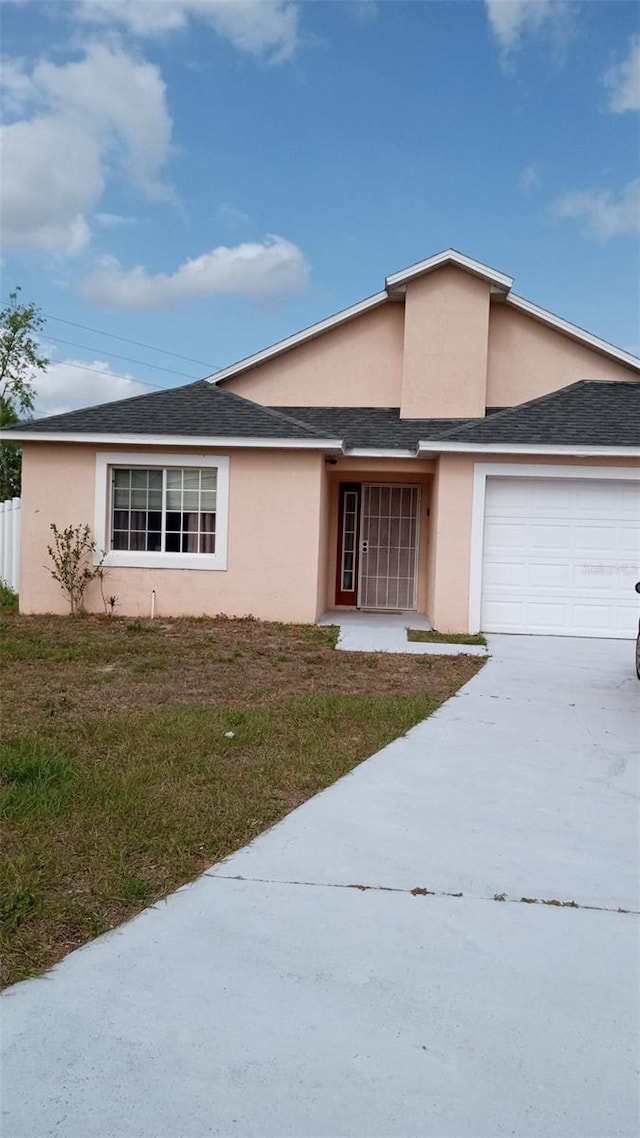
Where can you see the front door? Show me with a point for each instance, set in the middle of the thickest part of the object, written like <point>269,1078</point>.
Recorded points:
<point>377,546</point>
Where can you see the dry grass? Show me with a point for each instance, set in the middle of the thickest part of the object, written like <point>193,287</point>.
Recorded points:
<point>119,779</point>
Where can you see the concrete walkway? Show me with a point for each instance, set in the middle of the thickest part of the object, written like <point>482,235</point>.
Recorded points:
<point>351,973</point>
<point>387,632</point>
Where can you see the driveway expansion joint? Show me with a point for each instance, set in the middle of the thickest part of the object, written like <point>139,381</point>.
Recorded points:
<point>422,891</point>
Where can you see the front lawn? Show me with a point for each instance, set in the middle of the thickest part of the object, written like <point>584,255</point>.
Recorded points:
<point>134,754</point>
<point>423,636</point>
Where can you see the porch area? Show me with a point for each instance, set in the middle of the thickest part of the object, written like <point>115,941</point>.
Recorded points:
<point>387,632</point>
<point>375,542</point>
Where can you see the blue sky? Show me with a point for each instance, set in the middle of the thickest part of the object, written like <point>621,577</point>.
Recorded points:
<point>209,176</point>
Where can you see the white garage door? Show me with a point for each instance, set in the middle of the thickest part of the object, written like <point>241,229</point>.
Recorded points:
<point>561,557</point>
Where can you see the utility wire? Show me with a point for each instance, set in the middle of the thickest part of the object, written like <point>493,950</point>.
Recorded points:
<point>126,340</point>
<point>115,375</point>
<point>106,352</point>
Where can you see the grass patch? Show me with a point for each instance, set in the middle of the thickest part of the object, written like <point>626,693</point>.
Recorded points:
<point>114,793</point>
<point>422,636</point>
<point>8,599</point>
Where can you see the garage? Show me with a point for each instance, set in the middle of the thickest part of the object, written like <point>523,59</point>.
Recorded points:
<point>561,556</point>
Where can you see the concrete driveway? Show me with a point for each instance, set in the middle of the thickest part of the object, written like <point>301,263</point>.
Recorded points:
<point>351,973</point>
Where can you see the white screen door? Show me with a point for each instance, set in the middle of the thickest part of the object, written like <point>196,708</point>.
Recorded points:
<point>388,546</point>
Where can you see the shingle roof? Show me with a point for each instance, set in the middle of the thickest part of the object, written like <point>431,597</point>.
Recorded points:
<point>196,409</point>
<point>588,413</point>
<point>373,426</point>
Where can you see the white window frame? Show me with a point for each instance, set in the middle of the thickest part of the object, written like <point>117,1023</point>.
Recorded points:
<point>138,559</point>
<point>482,471</point>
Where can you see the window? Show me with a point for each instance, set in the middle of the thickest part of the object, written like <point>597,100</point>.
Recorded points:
<point>162,510</point>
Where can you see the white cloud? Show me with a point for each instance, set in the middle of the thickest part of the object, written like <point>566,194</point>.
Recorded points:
<point>603,214</point>
<point>260,27</point>
<point>263,270</point>
<point>112,220</point>
<point>511,19</point>
<point>16,85</point>
<point>52,171</point>
<point>79,119</point>
<point>67,384</point>
<point>623,81</point>
<point>528,179</point>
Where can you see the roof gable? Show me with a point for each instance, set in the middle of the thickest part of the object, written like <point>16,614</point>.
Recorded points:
<point>394,289</point>
<point>500,282</point>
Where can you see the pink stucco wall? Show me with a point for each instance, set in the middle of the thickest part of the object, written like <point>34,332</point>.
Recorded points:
<point>445,346</point>
<point>357,364</point>
<point>274,522</point>
<point>528,359</point>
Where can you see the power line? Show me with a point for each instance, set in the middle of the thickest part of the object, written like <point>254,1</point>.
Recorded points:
<point>115,375</point>
<point>126,340</point>
<point>116,355</point>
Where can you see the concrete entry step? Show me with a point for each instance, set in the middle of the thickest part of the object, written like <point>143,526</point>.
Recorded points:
<point>387,632</point>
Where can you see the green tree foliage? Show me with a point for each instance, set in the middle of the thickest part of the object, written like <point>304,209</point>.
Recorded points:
<point>20,361</point>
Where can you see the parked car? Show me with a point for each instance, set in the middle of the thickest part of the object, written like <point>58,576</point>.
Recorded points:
<point>638,639</point>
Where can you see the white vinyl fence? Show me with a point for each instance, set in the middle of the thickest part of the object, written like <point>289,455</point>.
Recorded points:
<point>10,543</point>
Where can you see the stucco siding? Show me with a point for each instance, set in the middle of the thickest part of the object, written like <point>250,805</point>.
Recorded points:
<point>274,521</point>
<point>528,359</point>
<point>357,364</point>
<point>445,346</point>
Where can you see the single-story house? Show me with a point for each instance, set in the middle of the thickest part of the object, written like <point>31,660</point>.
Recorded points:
<point>443,447</point>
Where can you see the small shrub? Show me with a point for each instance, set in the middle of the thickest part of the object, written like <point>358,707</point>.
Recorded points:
<point>8,599</point>
<point>72,555</point>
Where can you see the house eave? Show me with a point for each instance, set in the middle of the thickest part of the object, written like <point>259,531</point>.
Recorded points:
<point>200,441</point>
<point>379,452</point>
<point>302,337</point>
<point>501,282</point>
<point>573,451</point>
<point>572,330</point>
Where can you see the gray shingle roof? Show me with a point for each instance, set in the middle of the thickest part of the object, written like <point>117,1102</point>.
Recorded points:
<point>373,426</point>
<point>588,413</point>
<point>196,409</point>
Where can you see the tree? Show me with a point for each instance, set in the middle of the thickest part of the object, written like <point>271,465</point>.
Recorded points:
<point>20,360</point>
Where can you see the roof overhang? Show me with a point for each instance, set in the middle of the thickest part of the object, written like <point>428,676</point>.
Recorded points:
<point>500,282</point>
<point>306,335</point>
<point>207,441</point>
<point>572,330</point>
<point>434,447</point>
